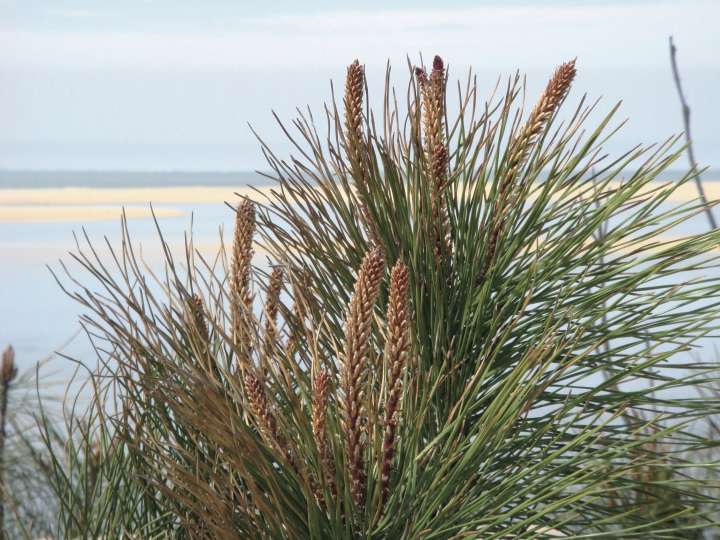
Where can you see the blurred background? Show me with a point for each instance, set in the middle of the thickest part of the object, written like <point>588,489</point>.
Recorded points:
<point>105,105</point>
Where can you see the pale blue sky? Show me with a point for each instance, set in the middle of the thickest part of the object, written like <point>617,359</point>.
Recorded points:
<point>161,84</point>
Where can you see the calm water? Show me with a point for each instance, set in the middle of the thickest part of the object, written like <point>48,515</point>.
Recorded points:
<point>35,315</point>
<point>53,179</point>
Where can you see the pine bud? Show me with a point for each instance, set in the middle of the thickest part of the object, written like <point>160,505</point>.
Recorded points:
<point>9,371</point>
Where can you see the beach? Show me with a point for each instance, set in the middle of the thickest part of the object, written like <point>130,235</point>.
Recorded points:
<point>59,200</point>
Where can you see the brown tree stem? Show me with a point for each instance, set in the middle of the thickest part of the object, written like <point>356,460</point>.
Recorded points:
<point>688,138</point>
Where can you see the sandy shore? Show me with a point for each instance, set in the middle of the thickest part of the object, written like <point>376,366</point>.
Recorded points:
<point>123,196</point>
<point>686,192</point>
<point>91,204</point>
<point>208,195</point>
<point>57,205</point>
<point>62,214</point>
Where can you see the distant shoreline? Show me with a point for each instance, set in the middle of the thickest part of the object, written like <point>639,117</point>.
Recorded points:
<point>60,196</point>
<point>19,179</point>
<point>85,204</point>
<point>39,179</point>
<point>56,204</point>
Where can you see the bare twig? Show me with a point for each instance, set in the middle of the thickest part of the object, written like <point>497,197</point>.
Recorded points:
<point>688,138</point>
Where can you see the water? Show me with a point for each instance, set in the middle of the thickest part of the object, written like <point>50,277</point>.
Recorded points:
<point>107,179</point>
<point>10,179</point>
<point>36,317</point>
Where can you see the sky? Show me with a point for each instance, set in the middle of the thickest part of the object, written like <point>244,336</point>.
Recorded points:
<point>173,85</point>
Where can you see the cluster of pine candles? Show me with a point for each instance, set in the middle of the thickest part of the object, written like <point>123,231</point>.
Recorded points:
<point>352,367</point>
<point>441,347</point>
<point>353,360</point>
